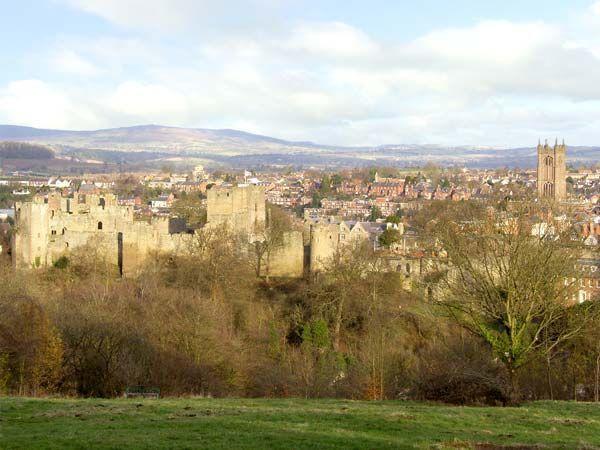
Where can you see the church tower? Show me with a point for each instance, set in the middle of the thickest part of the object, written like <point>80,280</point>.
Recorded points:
<point>552,171</point>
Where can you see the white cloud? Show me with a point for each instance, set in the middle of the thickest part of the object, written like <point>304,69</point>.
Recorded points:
<point>39,104</point>
<point>489,42</point>
<point>330,39</point>
<point>164,14</point>
<point>70,62</point>
<point>148,101</point>
<point>174,15</point>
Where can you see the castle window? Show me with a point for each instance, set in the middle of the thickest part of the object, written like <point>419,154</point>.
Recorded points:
<point>63,230</point>
<point>53,232</point>
<point>67,244</point>
<point>99,225</point>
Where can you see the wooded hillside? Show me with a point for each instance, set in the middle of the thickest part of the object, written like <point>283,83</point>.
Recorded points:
<point>24,150</point>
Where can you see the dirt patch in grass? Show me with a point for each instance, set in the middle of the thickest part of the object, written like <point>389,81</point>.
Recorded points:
<point>488,446</point>
<point>569,421</point>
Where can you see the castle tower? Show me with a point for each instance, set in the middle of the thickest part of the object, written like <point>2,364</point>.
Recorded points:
<point>241,207</point>
<point>552,171</point>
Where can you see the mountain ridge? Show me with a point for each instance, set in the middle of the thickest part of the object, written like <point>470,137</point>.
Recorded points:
<point>236,148</point>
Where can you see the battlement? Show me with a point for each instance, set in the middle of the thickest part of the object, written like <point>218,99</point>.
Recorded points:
<point>556,148</point>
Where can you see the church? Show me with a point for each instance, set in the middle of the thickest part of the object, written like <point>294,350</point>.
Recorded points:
<point>552,171</point>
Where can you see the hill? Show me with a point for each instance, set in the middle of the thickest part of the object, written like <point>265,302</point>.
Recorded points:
<point>159,144</point>
<point>24,150</point>
<point>292,423</point>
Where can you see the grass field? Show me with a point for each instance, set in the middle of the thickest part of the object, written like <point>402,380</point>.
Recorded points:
<point>297,424</point>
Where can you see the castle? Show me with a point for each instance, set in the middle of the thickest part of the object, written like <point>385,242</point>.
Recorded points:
<point>52,226</point>
<point>49,227</point>
<point>551,171</point>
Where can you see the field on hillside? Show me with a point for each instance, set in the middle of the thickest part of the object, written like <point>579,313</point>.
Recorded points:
<point>247,423</point>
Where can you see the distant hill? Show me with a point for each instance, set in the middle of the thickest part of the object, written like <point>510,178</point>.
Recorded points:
<point>24,150</point>
<point>156,138</point>
<point>157,144</point>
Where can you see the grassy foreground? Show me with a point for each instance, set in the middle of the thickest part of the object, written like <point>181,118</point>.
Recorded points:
<point>291,423</point>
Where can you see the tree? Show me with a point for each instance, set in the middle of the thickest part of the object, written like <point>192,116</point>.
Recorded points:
<point>372,173</point>
<point>316,200</point>
<point>336,180</point>
<point>325,187</point>
<point>375,214</point>
<point>30,347</point>
<point>508,288</point>
<point>214,258</point>
<point>343,284</point>
<point>191,209</point>
<point>395,218</point>
<point>389,237</point>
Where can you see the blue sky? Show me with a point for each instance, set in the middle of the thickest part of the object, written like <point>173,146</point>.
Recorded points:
<point>341,72</point>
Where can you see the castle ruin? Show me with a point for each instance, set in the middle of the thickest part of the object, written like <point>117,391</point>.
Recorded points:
<point>52,226</point>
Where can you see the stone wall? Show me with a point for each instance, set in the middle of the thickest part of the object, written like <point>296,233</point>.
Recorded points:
<point>287,260</point>
<point>48,228</point>
<point>324,241</point>
<point>241,207</point>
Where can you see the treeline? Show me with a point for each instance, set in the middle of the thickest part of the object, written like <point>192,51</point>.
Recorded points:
<point>24,150</point>
<point>204,324</point>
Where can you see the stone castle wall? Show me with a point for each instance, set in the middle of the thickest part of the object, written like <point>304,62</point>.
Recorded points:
<point>241,208</point>
<point>287,260</point>
<point>48,228</point>
<point>324,241</point>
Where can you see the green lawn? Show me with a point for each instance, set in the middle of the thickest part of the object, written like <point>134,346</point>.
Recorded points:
<point>291,423</point>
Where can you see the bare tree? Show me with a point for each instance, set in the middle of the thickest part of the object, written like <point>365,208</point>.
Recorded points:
<point>509,287</point>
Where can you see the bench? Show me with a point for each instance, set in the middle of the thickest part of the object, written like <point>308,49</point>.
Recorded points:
<point>142,391</point>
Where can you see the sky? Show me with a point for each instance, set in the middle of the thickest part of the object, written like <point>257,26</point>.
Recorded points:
<point>462,72</point>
